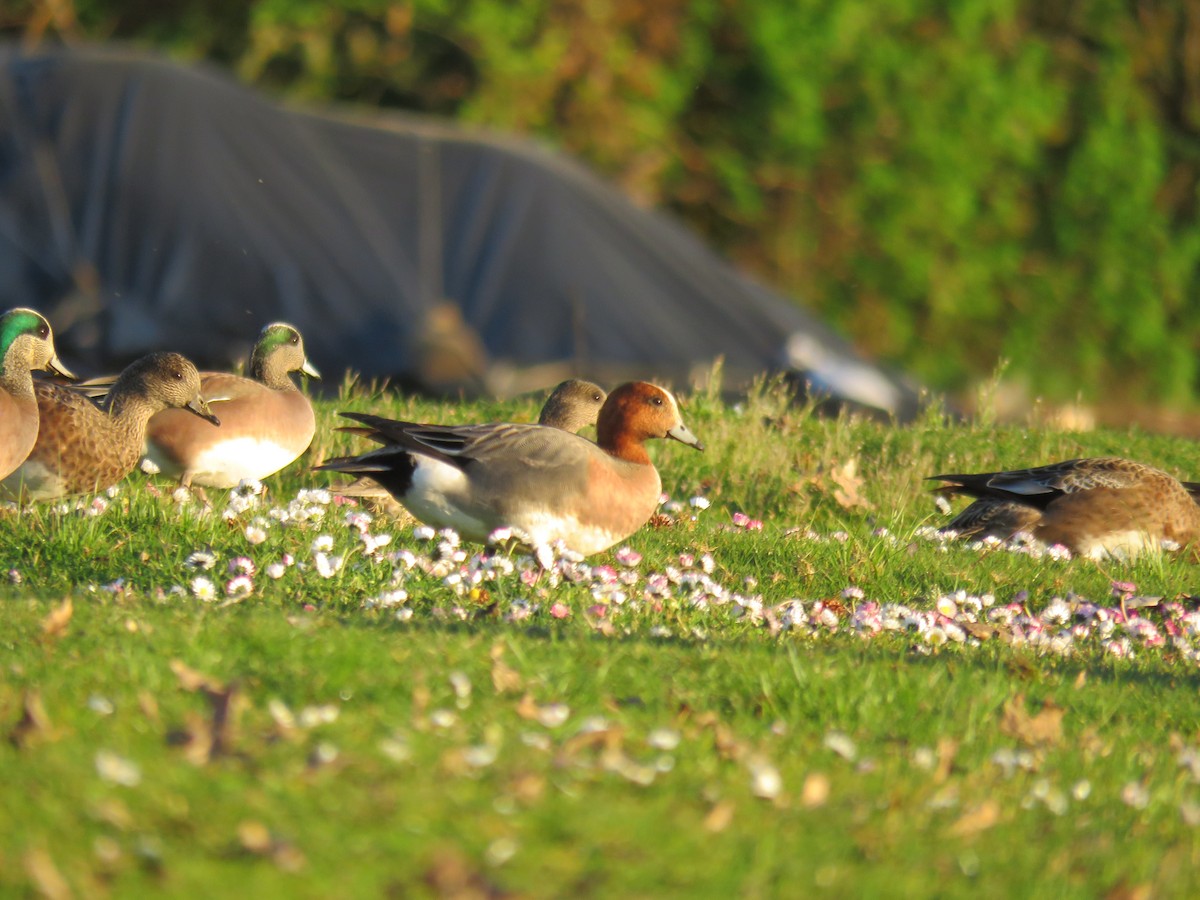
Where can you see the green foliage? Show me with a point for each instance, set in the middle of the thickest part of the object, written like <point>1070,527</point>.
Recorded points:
<point>950,183</point>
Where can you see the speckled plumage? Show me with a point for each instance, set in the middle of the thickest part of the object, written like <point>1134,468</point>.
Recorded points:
<point>84,445</point>
<point>26,345</point>
<point>1095,507</point>
<point>266,422</point>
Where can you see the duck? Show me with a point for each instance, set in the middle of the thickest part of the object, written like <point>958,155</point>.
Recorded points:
<point>26,345</point>
<point>543,483</point>
<point>1095,507</point>
<point>266,421</point>
<point>85,445</point>
<point>573,405</point>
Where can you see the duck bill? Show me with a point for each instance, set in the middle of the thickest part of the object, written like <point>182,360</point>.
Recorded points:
<point>310,370</point>
<point>200,408</point>
<point>680,433</point>
<point>55,365</point>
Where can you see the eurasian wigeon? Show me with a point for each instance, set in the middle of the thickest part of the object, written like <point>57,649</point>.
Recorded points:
<point>1094,507</point>
<point>572,405</point>
<point>84,445</point>
<point>545,484</point>
<point>266,421</point>
<point>26,344</point>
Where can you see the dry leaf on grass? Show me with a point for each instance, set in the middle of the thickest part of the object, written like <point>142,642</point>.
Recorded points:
<point>848,484</point>
<point>973,821</point>
<point>815,791</point>
<point>202,738</point>
<point>33,725</point>
<point>44,874</point>
<point>1042,729</point>
<point>452,876</point>
<point>719,817</point>
<point>505,679</point>
<point>56,621</point>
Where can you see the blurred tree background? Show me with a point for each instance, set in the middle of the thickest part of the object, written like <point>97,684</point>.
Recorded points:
<point>949,183</point>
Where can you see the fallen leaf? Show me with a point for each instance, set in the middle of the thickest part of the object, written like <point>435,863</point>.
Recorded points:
<point>815,791</point>
<point>505,679</point>
<point>204,739</point>
<point>947,749</point>
<point>1044,728</point>
<point>451,876</point>
<point>254,836</point>
<point>191,680</point>
<point>973,821</point>
<point>527,788</point>
<point>34,724</point>
<point>848,484</point>
<point>528,708</point>
<point>1125,891</point>
<point>56,621</point>
<point>44,874</point>
<point>148,705</point>
<point>719,817</point>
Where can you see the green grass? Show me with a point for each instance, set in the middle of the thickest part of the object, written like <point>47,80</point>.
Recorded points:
<point>659,749</point>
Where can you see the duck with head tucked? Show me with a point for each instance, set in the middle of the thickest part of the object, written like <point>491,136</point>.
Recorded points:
<point>545,484</point>
<point>26,345</point>
<point>266,422</point>
<point>1098,507</point>
<point>85,445</point>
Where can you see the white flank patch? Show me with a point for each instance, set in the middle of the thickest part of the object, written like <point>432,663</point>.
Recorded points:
<point>225,464</point>
<point>544,527</point>
<point>437,495</point>
<point>39,483</point>
<point>1121,545</point>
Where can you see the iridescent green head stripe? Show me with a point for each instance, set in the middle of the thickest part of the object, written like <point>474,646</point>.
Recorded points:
<point>17,322</point>
<point>277,334</point>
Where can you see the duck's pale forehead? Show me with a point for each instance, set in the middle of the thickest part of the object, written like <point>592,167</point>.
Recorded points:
<point>275,334</point>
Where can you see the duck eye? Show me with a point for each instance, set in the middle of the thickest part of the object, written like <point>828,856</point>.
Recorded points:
<point>44,331</point>
<point>657,401</point>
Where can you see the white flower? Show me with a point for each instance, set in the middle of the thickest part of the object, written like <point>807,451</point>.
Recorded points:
<point>275,570</point>
<point>255,532</point>
<point>203,588</point>
<point>249,487</point>
<point>117,769</point>
<point>699,503</point>
<point>239,587</point>
<point>323,543</point>
<point>765,780</point>
<point>149,466</point>
<point>947,607</point>
<point>372,543</point>
<point>841,744</point>
<point>328,566</point>
<point>553,714</point>
<point>201,559</point>
<point>423,533</point>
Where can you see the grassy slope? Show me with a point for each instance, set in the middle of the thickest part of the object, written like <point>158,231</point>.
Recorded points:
<point>675,722</point>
